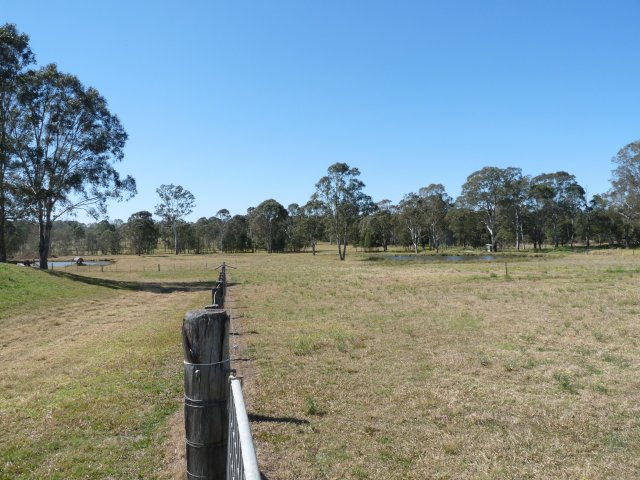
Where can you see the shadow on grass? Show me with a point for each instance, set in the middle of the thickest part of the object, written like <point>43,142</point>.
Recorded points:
<point>155,287</point>
<point>264,418</point>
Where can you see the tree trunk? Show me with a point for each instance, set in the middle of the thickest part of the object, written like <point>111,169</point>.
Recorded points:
<point>44,224</point>
<point>175,237</point>
<point>3,241</point>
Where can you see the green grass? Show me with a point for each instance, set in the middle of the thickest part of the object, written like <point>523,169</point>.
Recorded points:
<point>91,377</point>
<point>22,288</point>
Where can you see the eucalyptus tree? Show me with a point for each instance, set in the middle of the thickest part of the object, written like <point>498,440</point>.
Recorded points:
<point>103,237</point>
<point>207,231</point>
<point>223,217</point>
<point>466,226</point>
<point>625,186</point>
<point>175,203</point>
<point>142,232</point>
<point>15,56</point>
<point>268,221</point>
<point>383,222</point>
<point>484,192</point>
<point>66,145</point>
<point>436,203</point>
<point>514,201</point>
<point>313,216</point>
<point>236,238</point>
<point>412,215</point>
<point>295,228</point>
<point>564,203</point>
<point>538,197</point>
<point>344,202</point>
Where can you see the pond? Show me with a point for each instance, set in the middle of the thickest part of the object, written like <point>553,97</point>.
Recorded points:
<point>62,264</point>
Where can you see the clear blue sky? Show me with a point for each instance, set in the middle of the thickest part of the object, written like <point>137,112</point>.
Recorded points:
<point>240,101</point>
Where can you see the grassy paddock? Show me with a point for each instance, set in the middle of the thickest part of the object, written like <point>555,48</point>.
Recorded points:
<point>381,369</point>
<point>361,369</point>
<point>91,374</point>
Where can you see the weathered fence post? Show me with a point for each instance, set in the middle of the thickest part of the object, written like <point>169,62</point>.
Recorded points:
<point>217,295</point>
<point>219,291</point>
<point>205,338</point>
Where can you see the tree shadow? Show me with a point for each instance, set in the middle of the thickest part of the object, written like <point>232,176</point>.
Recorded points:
<point>154,287</point>
<point>253,417</point>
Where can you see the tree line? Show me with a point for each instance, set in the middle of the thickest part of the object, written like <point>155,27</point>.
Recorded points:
<point>59,144</point>
<point>498,207</point>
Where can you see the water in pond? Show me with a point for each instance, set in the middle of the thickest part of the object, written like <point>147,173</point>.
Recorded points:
<point>61,264</point>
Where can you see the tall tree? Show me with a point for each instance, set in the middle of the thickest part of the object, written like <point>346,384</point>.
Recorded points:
<point>175,203</point>
<point>484,192</point>
<point>66,147</point>
<point>142,232</point>
<point>567,197</point>
<point>268,221</point>
<point>412,214</point>
<point>313,212</point>
<point>538,197</point>
<point>383,222</point>
<point>514,201</point>
<point>236,238</point>
<point>295,228</point>
<point>15,56</point>
<point>625,186</point>
<point>436,203</point>
<point>466,226</point>
<point>340,192</point>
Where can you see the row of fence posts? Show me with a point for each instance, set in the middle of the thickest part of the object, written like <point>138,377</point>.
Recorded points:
<point>211,448</point>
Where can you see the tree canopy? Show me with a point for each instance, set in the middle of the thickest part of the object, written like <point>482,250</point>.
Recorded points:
<point>175,203</point>
<point>341,194</point>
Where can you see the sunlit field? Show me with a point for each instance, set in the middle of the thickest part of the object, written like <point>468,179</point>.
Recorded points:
<point>368,368</point>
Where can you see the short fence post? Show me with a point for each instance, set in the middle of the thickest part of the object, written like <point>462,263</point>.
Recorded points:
<point>217,295</point>
<point>205,338</point>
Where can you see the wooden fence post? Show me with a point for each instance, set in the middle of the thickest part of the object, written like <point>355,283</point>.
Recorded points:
<point>217,296</point>
<point>205,339</point>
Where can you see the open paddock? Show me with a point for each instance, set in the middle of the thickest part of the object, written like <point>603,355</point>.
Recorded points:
<point>357,369</point>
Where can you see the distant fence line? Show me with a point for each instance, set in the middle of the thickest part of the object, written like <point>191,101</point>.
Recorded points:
<point>219,444</point>
<point>129,268</point>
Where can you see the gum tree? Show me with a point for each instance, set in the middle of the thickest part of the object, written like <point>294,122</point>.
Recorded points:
<point>66,145</point>
<point>625,187</point>
<point>484,192</point>
<point>142,232</point>
<point>268,222</point>
<point>175,203</point>
<point>343,200</point>
<point>15,55</point>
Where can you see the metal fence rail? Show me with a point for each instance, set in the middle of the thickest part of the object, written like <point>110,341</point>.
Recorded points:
<point>242,463</point>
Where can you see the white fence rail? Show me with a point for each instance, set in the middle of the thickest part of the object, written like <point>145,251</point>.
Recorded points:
<point>242,463</point>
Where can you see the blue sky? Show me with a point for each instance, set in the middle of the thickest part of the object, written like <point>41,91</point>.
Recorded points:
<point>240,101</point>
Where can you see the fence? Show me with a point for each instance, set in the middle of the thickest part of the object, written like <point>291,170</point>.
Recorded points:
<point>242,463</point>
<point>106,266</point>
<point>218,438</point>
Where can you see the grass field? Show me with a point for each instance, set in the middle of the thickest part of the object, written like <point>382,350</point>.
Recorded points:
<point>360,369</point>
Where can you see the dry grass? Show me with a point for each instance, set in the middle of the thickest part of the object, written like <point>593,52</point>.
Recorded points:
<point>90,386</point>
<point>399,370</point>
<point>357,370</point>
